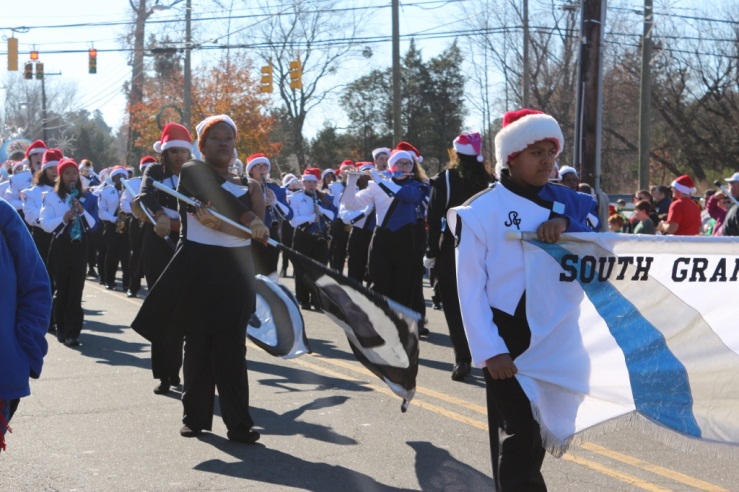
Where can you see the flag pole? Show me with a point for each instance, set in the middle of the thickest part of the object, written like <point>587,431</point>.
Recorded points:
<point>167,239</point>
<point>195,203</point>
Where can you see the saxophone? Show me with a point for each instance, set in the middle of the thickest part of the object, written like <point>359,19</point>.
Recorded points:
<point>75,232</point>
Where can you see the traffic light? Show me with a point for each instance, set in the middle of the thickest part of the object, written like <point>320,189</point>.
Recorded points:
<point>296,74</point>
<point>28,71</point>
<point>266,79</point>
<point>92,62</point>
<point>12,54</point>
<point>39,71</point>
<point>34,55</point>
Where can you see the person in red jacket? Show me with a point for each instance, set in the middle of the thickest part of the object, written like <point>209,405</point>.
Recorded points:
<point>684,215</point>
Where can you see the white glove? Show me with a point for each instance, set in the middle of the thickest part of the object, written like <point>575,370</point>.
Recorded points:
<point>429,262</point>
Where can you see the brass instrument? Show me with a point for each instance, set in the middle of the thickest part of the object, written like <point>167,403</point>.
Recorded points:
<point>273,211</point>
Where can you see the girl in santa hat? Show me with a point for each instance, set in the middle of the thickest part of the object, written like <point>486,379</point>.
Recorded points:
<point>395,263</point>
<point>63,216</point>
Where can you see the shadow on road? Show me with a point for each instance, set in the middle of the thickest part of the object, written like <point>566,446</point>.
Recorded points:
<point>438,471</point>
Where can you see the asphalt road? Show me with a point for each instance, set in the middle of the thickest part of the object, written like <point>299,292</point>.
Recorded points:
<point>94,424</point>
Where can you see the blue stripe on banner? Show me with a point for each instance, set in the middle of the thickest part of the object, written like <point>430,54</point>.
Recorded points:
<point>659,381</point>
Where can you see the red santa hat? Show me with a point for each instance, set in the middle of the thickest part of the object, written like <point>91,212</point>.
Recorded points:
<point>51,158</point>
<point>346,165</point>
<point>325,172</point>
<point>255,159</point>
<point>202,128</point>
<point>380,150</point>
<point>398,155</point>
<point>469,144</point>
<point>411,150</point>
<point>66,163</point>
<point>522,128</point>
<point>146,161</point>
<point>119,171</point>
<point>312,174</point>
<point>37,147</point>
<point>684,184</point>
<point>173,135</point>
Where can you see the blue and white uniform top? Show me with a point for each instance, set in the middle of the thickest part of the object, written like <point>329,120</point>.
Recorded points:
<point>304,211</point>
<point>32,201</point>
<point>126,197</point>
<point>405,196</point>
<point>108,203</point>
<point>490,268</point>
<point>51,216</point>
<point>337,189</point>
<point>17,183</point>
<point>281,208</point>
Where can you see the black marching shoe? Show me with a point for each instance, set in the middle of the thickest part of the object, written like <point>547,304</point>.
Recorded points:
<point>175,381</point>
<point>131,293</point>
<point>460,370</point>
<point>72,342</point>
<point>188,432</point>
<point>162,388</point>
<point>92,273</point>
<point>245,436</point>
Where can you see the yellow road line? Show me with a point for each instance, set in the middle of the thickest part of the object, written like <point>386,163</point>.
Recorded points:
<point>629,460</point>
<point>624,477</point>
<point>656,469</point>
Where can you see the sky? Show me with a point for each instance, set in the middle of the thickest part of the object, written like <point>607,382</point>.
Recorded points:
<point>103,90</point>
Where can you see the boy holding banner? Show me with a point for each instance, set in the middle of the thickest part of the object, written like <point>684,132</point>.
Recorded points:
<point>490,278</point>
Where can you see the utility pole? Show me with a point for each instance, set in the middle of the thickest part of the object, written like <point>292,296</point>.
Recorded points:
<point>526,68</point>
<point>589,93</point>
<point>187,96</point>
<point>645,96</point>
<point>397,131</point>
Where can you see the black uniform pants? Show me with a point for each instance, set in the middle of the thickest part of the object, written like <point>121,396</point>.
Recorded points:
<point>339,239</point>
<point>68,260</point>
<point>116,251</point>
<point>446,276</point>
<point>287,233</point>
<point>135,236</point>
<point>314,246</point>
<point>216,360</point>
<point>515,438</point>
<point>358,253</point>
<point>395,269</point>
<point>266,257</point>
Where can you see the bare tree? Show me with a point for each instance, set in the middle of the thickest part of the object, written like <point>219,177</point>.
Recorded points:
<point>307,31</point>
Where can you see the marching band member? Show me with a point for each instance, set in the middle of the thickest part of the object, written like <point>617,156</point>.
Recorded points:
<point>395,266</point>
<point>339,230</point>
<point>380,156</point>
<point>465,176</point>
<point>62,215</point>
<point>44,181</point>
<point>159,239</point>
<point>291,185</point>
<point>313,212</point>
<point>134,228</point>
<point>114,228</point>
<point>21,179</point>
<point>490,280</point>
<point>35,154</point>
<point>362,224</point>
<point>266,257</point>
<point>207,291</point>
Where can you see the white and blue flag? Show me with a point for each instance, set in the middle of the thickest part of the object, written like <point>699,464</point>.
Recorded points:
<point>637,324</point>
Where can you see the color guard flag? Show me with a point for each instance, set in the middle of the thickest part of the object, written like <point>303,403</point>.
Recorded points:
<point>626,324</point>
<point>382,333</point>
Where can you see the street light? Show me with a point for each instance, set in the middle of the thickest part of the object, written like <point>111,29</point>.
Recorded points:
<point>187,103</point>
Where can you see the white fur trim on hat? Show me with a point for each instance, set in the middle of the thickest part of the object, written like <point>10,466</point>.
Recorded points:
<point>161,147</point>
<point>380,150</point>
<point>49,164</point>
<point>398,155</point>
<point>523,132</point>
<point>326,171</point>
<point>686,190</point>
<point>566,170</point>
<point>118,171</point>
<point>221,117</point>
<point>255,161</point>
<point>309,177</point>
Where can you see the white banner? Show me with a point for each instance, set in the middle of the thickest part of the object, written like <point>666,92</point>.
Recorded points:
<point>625,323</point>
